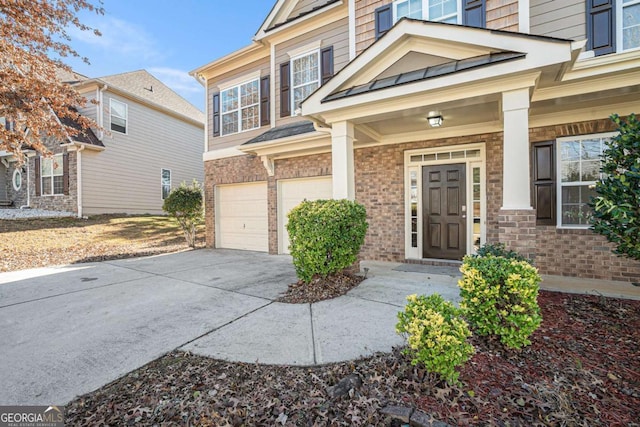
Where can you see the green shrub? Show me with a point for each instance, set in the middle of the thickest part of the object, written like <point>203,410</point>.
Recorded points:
<point>499,249</point>
<point>437,335</point>
<point>500,297</point>
<point>184,204</point>
<point>325,236</point>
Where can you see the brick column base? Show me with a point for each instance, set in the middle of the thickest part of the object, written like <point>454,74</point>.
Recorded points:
<point>517,230</point>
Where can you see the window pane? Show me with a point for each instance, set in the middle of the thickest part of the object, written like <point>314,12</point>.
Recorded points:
<point>450,7</point>
<point>58,184</point>
<point>575,210</point>
<point>571,194</point>
<point>402,9</point>
<point>57,165</point>
<point>570,150</point>
<point>118,109</point>
<point>229,123</point>
<point>166,177</point>
<point>46,185</point>
<point>229,100</point>
<point>631,27</point>
<point>570,171</point>
<point>301,93</point>
<point>590,170</point>
<point>118,124</point>
<point>250,117</point>
<point>45,167</point>
<point>249,94</point>
<point>591,149</point>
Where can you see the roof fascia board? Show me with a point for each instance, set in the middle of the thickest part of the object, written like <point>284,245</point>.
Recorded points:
<point>75,146</point>
<point>596,84</point>
<point>275,11</point>
<point>245,54</point>
<point>604,64</point>
<point>276,31</point>
<point>463,86</point>
<point>539,51</point>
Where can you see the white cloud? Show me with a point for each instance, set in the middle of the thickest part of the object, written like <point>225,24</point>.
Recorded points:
<point>119,38</point>
<point>178,80</point>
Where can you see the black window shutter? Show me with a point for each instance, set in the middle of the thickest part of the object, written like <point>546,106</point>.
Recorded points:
<point>36,166</point>
<point>265,103</point>
<point>474,13</point>
<point>326,63</point>
<point>216,114</point>
<point>384,20</point>
<point>601,33</point>
<point>65,174</point>
<point>544,182</point>
<point>285,90</point>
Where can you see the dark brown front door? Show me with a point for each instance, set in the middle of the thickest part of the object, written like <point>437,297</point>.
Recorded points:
<point>444,215</point>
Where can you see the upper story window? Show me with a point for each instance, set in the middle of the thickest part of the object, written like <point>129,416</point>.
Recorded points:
<point>613,26</point>
<point>305,76</point>
<point>165,183</point>
<point>429,10</point>
<point>240,107</point>
<point>52,175</point>
<point>579,162</point>
<point>119,115</point>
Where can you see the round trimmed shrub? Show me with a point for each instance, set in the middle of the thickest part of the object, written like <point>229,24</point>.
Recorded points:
<point>325,236</point>
<point>437,335</point>
<point>500,297</point>
<point>185,205</point>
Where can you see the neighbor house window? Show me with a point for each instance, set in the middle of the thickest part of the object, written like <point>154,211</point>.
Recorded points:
<point>240,107</point>
<point>305,77</point>
<point>118,111</point>
<point>166,183</point>
<point>429,10</point>
<point>579,162</point>
<point>52,175</point>
<point>628,24</point>
<point>17,180</point>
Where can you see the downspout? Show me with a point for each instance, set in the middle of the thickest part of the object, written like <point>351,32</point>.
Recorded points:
<point>79,179</point>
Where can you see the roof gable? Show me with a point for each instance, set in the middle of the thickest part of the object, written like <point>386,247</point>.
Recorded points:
<point>286,12</point>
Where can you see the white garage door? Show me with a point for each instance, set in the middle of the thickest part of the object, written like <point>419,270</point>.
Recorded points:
<point>291,193</point>
<point>242,218</point>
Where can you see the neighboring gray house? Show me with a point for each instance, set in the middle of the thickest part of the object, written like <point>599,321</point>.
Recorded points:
<point>152,143</point>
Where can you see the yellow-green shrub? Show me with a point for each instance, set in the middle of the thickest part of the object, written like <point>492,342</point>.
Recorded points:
<point>436,333</point>
<point>325,236</point>
<point>500,297</point>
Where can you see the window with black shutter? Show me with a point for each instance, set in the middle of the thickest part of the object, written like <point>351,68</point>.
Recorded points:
<point>601,32</point>
<point>326,63</point>
<point>285,91</point>
<point>384,20</point>
<point>216,114</point>
<point>474,13</point>
<point>265,101</point>
<point>544,182</point>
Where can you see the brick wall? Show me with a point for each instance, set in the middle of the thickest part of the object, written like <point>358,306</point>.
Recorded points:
<point>517,230</point>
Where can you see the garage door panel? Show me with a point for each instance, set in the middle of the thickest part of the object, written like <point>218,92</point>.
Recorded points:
<point>292,193</point>
<point>243,221</point>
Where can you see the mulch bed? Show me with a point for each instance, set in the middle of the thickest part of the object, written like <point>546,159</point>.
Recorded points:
<point>582,369</point>
<point>320,288</point>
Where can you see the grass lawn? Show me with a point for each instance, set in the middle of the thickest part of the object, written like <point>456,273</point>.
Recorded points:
<point>33,243</point>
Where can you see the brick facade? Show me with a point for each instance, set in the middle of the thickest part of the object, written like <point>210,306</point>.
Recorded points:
<point>379,176</point>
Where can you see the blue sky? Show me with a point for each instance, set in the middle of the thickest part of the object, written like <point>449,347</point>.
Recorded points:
<point>166,37</point>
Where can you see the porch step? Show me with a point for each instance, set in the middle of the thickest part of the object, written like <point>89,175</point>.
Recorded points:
<point>435,261</point>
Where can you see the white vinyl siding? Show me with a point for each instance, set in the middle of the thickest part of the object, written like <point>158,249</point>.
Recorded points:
<point>559,18</point>
<point>124,177</point>
<point>119,116</point>
<point>242,217</point>
<point>579,165</point>
<point>240,108</point>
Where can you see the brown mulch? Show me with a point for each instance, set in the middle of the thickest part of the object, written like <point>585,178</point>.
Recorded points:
<point>582,369</point>
<point>31,243</point>
<point>320,288</point>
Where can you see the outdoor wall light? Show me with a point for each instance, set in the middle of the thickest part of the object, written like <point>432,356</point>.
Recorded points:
<point>435,119</point>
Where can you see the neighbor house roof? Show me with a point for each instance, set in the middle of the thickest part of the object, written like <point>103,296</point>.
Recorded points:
<point>144,85</point>
<point>284,131</point>
<point>426,73</point>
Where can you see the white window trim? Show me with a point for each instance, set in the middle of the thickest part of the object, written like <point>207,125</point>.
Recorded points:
<point>245,78</point>
<point>425,11</point>
<point>292,87</point>
<point>238,111</point>
<point>303,50</point>
<point>42,176</point>
<point>162,184</point>
<point>619,7</point>
<point>416,253</point>
<point>559,185</point>
<point>126,117</point>
<point>17,172</point>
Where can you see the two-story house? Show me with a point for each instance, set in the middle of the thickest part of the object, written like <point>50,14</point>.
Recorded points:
<point>455,122</point>
<point>151,142</point>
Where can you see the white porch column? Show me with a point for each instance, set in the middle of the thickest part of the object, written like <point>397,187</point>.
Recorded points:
<point>515,180</point>
<point>342,161</point>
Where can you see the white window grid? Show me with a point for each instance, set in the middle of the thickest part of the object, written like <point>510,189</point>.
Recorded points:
<point>429,10</point>
<point>627,25</point>
<point>52,175</point>
<point>306,79</point>
<point>122,117</point>
<point>240,108</point>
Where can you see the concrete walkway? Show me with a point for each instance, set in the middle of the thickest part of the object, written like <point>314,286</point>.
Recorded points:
<point>69,330</point>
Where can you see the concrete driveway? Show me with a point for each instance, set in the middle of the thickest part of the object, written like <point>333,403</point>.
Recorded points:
<point>66,331</point>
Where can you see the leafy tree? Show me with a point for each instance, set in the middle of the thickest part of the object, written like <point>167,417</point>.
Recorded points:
<point>617,206</point>
<point>184,204</point>
<point>31,31</point>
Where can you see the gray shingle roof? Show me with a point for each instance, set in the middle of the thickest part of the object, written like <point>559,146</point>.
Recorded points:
<point>85,136</point>
<point>426,73</point>
<point>144,85</point>
<point>284,131</point>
